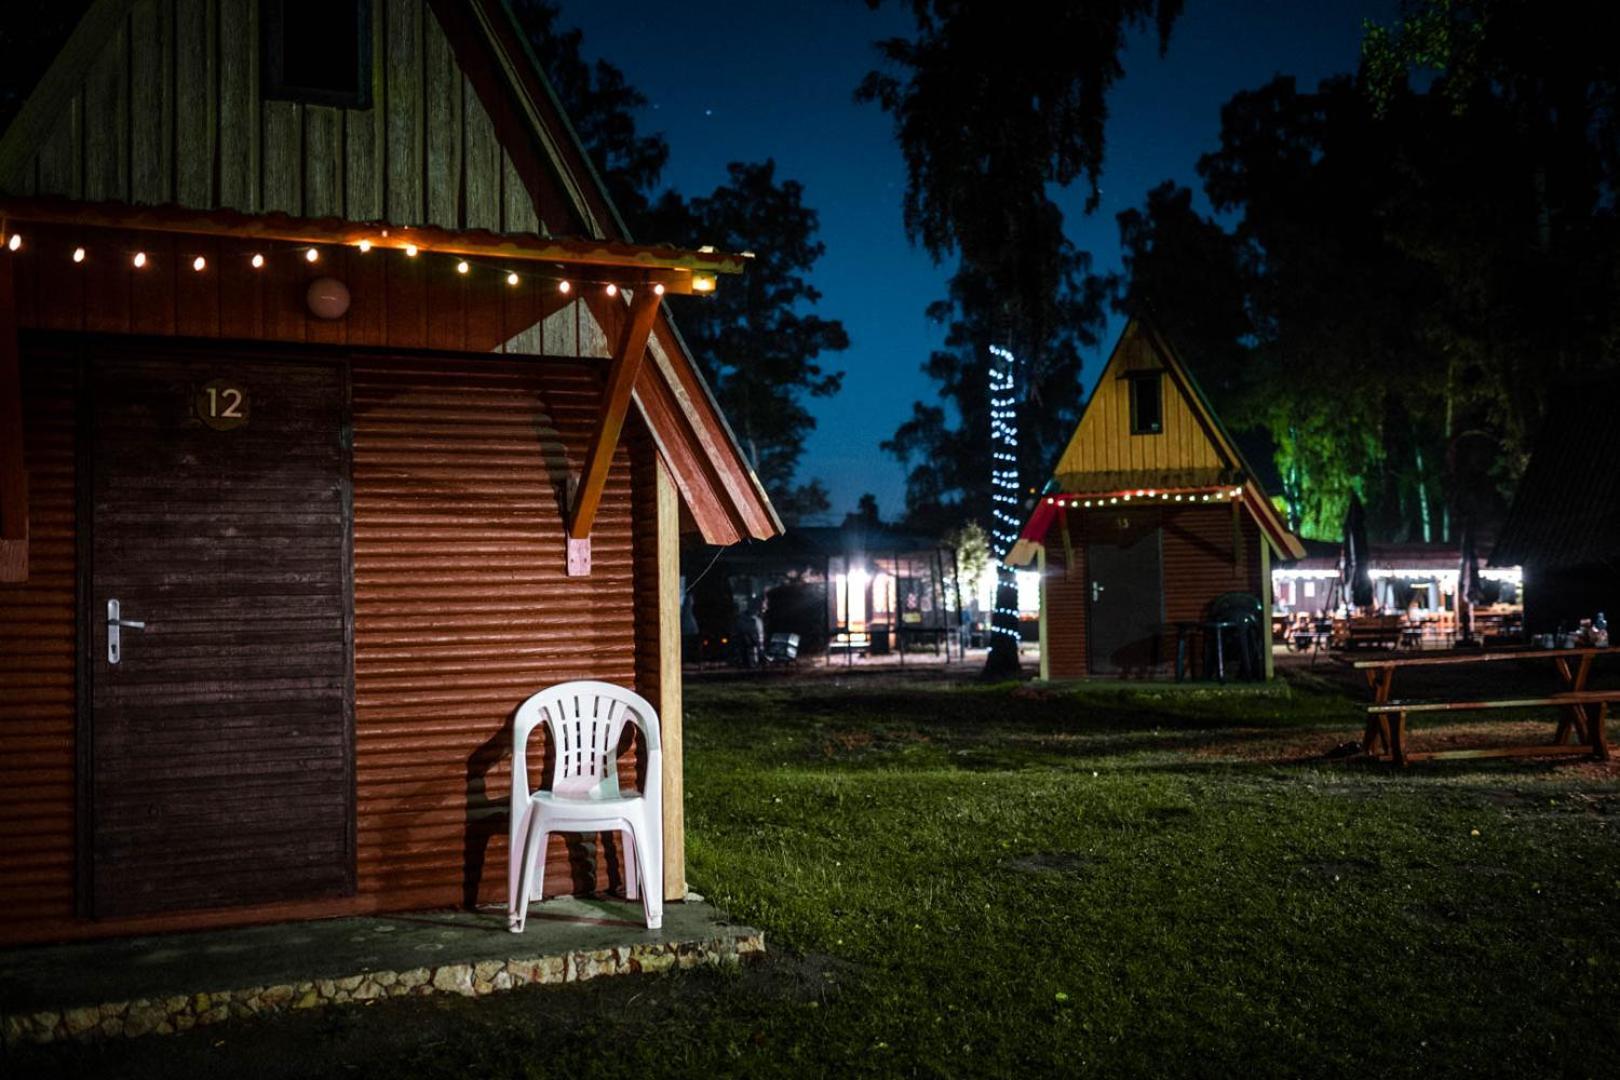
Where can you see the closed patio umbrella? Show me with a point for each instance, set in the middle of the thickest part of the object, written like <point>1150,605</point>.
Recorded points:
<point>1355,556</point>
<point>1469,589</point>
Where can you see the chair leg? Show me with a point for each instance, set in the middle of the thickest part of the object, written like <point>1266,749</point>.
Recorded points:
<point>516,849</point>
<point>534,849</point>
<point>651,864</point>
<point>632,871</point>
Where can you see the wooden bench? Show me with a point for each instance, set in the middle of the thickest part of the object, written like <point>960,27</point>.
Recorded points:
<point>1374,631</point>
<point>1583,712</point>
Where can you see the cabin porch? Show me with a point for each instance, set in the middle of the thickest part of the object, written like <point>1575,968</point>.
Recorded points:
<point>169,983</point>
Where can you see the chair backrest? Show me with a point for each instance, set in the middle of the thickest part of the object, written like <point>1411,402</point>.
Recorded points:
<point>586,720</point>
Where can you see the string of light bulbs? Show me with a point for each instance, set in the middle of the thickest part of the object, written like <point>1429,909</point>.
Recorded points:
<point>140,259</point>
<point>1193,496</point>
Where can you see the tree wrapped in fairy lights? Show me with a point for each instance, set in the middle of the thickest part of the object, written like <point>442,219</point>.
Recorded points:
<point>1004,503</point>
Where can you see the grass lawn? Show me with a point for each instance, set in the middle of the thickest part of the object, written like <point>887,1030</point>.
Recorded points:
<point>991,881</point>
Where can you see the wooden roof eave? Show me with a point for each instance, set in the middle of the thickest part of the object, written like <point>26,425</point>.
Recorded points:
<point>598,260</point>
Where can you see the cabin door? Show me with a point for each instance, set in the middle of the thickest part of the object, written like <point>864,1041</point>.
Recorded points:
<point>220,769</point>
<point>1123,555</point>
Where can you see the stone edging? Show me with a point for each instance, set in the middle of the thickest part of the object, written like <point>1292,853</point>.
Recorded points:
<point>171,1015</point>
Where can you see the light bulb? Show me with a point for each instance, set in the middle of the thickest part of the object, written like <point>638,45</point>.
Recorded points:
<point>462,267</point>
<point>658,290</point>
<point>15,243</point>
<point>512,278</point>
<point>563,287</point>
<point>199,264</point>
<point>258,261</point>
<point>78,255</point>
<point>312,255</point>
<point>139,260</point>
<point>612,289</point>
<point>365,246</point>
<point>410,251</point>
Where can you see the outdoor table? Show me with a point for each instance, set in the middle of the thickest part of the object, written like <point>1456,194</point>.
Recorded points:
<point>1583,711</point>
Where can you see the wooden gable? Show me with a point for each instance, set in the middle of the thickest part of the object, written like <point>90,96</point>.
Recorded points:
<point>159,102</point>
<point>1190,452</point>
<point>1104,454</point>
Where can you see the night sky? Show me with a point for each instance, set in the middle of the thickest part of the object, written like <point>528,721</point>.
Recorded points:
<point>742,81</point>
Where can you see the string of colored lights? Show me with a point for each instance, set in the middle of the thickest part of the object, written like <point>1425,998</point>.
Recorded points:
<point>1004,525</point>
<point>141,260</point>
<point>1183,495</point>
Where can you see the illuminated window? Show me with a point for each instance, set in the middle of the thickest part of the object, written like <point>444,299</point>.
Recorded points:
<point>1147,413</point>
<point>318,51</point>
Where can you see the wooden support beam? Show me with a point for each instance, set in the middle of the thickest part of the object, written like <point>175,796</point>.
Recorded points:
<point>668,525</point>
<point>13,471</point>
<point>621,378</point>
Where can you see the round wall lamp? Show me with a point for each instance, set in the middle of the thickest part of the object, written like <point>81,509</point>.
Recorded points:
<point>328,298</point>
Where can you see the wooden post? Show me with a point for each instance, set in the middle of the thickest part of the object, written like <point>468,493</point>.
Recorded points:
<point>621,379</point>
<point>1268,602</point>
<point>669,680</point>
<point>13,470</point>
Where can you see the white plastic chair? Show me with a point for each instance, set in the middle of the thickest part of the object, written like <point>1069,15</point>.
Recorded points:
<point>586,720</point>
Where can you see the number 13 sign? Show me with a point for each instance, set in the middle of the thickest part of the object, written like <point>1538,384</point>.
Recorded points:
<point>222,405</point>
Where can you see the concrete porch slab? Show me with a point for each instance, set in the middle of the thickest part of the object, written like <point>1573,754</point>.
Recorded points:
<point>167,983</point>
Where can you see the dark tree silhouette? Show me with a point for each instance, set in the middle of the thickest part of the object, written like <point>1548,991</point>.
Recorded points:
<point>755,341</point>
<point>993,104</point>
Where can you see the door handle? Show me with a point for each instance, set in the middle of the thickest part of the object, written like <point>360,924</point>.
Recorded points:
<point>115,627</point>
<point>1096,591</point>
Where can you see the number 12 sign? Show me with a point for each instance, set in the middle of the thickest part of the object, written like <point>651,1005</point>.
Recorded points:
<point>222,405</point>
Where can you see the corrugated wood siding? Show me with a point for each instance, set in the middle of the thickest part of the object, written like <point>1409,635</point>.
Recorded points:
<point>395,302</point>
<point>171,112</point>
<point>1205,556</point>
<point>1103,443</point>
<point>462,610</point>
<point>1198,547</point>
<point>462,607</point>
<point>1066,598</point>
<point>37,647</point>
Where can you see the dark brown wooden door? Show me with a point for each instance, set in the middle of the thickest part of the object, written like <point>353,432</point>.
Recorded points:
<point>1127,595</point>
<point>221,763</point>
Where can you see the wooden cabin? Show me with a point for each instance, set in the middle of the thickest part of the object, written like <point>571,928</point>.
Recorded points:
<point>1150,515</point>
<point>335,370</point>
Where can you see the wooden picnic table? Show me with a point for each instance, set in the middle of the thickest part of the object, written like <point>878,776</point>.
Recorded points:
<point>1582,712</point>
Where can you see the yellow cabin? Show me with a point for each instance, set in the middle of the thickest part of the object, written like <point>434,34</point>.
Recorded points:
<point>1149,521</point>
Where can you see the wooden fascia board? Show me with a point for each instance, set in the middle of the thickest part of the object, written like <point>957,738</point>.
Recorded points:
<point>1272,526</point>
<point>715,518</point>
<point>476,27</point>
<point>34,122</point>
<point>737,477</point>
<point>621,378</point>
<point>584,183</point>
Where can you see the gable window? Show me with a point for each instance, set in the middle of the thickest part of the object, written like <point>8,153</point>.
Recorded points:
<point>318,52</point>
<point>1147,404</point>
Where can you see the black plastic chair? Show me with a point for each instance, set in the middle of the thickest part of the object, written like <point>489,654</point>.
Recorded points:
<point>1236,617</point>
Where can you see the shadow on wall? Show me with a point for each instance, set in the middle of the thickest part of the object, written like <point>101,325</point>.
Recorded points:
<point>594,861</point>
